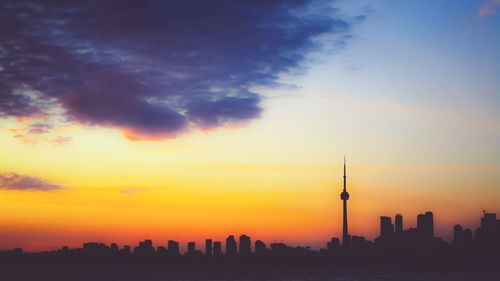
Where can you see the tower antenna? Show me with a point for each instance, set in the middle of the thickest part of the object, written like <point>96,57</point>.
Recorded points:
<point>344,196</point>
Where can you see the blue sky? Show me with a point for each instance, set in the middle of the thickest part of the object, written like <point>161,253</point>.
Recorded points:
<point>442,54</point>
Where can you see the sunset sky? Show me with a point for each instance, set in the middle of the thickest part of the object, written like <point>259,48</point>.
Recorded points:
<point>127,120</point>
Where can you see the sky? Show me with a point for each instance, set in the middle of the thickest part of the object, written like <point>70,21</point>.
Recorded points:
<point>129,120</point>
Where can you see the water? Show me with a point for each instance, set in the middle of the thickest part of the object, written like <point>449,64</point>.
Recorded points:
<point>343,276</point>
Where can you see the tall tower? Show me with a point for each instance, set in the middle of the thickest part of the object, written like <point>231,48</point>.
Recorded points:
<point>344,196</point>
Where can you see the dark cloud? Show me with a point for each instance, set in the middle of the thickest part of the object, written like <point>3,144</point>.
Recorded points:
<point>21,182</point>
<point>153,68</point>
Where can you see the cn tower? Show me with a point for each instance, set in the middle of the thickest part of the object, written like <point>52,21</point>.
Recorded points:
<point>344,196</point>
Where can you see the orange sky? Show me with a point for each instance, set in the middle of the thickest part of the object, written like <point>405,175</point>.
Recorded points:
<point>272,184</point>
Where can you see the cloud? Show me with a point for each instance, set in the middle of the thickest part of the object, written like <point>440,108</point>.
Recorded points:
<point>488,8</point>
<point>133,190</point>
<point>14,181</point>
<point>154,69</point>
<point>61,140</point>
<point>39,128</point>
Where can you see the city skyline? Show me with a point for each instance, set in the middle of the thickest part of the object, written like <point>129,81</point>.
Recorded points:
<point>486,232</point>
<point>423,228</point>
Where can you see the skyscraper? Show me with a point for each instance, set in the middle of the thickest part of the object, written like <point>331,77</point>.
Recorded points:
<point>386,227</point>
<point>191,248</point>
<point>260,248</point>
<point>217,248</point>
<point>173,248</point>
<point>429,218</point>
<point>425,225</point>
<point>489,231</point>
<point>208,247</point>
<point>458,234</point>
<point>245,245</point>
<point>230,246</point>
<point>399,224</point>
<point>344,196</point>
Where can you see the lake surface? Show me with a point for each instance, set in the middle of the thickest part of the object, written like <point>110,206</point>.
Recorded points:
<point>84,272</point>
<point>334,276</point>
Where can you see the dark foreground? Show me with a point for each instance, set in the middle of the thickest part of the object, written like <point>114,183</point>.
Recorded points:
<point>103,272</point>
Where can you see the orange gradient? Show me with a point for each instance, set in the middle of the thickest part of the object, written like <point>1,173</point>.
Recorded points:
<point>277,179</point>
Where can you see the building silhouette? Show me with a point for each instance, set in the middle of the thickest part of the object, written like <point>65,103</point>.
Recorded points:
<point>344,196</point>
<point>279,249</point>
<point>191,248</point>
<point>425,225</point>
<point>488,232</point>
<point>161,250</point>
<point>208,247</point>
<point>144,248</point>
<point>333,245</point>
<point>245,244</point>
<point>260,248</point>
<point>126,249</point>
<point>173,248</point>
<point>386,227</point>
<point>217,249</point>
<point>230,246</point>
<point>398,221</point>
<point>402,249</point>
<point>458,234</point>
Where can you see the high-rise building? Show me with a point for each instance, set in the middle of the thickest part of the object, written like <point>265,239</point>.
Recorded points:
<point>230,246</point>
<point>399,224</point>
<point>148,243</point>
<point>458,234</point>
<point>489,231</point>
<point>208,247</point>
<point>344,196</point>
<point>145,248</point>
<point>420,223</point>
<point>386,227</point>
<point>488,222</point>
<point>126,249</point>
<point>245,245</point>
<point>333,244</point>
<point>114,247</point>
<point>429,218</point>
<point>173,248</point>
<point>467,235</point>
<point>191,248</point>
<point>217,248</point>
<point>260,248</point>
<point>425,225</point>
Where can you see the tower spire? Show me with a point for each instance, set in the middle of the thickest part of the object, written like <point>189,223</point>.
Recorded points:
<point>344,196</point>
<point>345,175</point>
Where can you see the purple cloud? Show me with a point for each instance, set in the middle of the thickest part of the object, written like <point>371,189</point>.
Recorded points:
<point>14,181</point>
<point>154,69</point>
<point>39,128</point>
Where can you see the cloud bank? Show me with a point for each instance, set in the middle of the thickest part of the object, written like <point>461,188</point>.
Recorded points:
<point>14,181</point>
<point>153,69</point>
